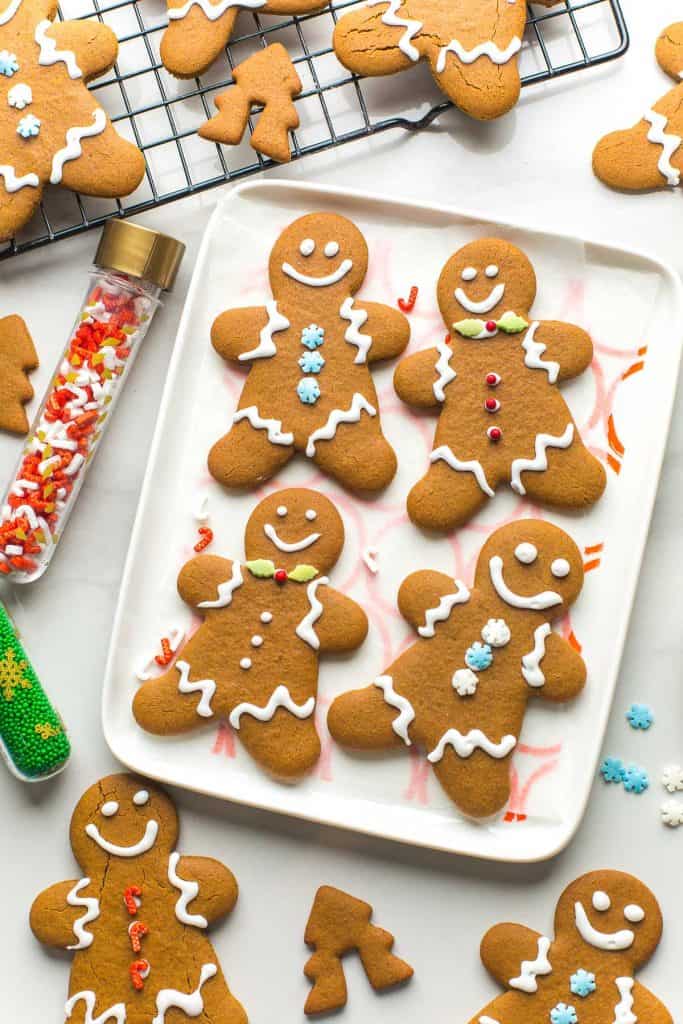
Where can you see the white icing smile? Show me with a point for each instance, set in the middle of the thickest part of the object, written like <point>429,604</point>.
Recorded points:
<point>487,304</point>
<point>146,843</point>
<point>318,282</point>
<point>536,602</point>
<point>283,545</point>
<point>611,941</point>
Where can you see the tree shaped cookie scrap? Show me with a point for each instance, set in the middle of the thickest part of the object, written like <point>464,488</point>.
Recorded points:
<point>310,348</point>
<point>471,48</point>
<point>649,155</point>
<point>340,924</point>
<point>17,358</point>
<point>254,660</point>
<point>267,78</point>
<point>494,381</point>
<point>461,690</point>
<point>607,925</point>
<point>136,921</point>
<point>51,127</point>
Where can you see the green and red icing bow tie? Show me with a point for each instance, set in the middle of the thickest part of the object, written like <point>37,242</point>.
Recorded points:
<point>509,323</point>
<point>264,569</point>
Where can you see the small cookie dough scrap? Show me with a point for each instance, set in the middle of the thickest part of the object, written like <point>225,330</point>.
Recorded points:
<point>18,357</point>
<point>494,383</point>
<point>136,920</point>
<point>340,924</point>
<point>267,78</point>
<point>52,130</point>
<point>607,926</point>
<point>649,155</point>
<point>310,350</point>
<point>254,660</point>
<point>460,692</point>
<point>471,47</point>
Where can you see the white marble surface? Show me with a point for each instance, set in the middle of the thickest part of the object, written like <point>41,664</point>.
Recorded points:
<point>533,167</point>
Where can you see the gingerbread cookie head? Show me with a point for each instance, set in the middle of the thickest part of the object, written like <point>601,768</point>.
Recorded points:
<point>486,279</point>
<point>321,257</point>
<point>531,565</point>
<point>121,817</point>
<point>612,912</point>
<point>293,527</point>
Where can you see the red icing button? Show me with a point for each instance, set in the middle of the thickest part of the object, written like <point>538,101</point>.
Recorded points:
<point>280,575</point>
<point>492,405</point>
<point>491,325</point>
<point>492,379</point>
<point>494,433</point>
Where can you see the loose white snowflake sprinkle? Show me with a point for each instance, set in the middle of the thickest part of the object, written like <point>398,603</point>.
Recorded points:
<point>672,813</point>
<point>672,778</point>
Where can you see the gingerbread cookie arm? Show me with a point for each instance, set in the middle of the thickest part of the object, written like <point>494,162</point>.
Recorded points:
<point>423,592</point>
<point>553,669</point>
<point>217,889</point>
<point>416,379</point>
<point>669,50</point>
<point>110,166</point>
<point>209,581</point>
<point>364,719</point>
<point>507,949</point>
<point>646,1006</point>
<point>341,625</point>
<point>560,350</point>
<point>238,332</point>
<point>94,45</point>
<point>361,44</point>
<point>388,328</point>
<point>54,915</point>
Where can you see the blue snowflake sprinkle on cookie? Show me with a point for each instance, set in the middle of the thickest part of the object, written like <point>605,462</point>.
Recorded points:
<point>29,126</point>
<point>311,362</point>
<point>9,65</point>
<point>582,983</point>
<point>612,769</point>
<point>312,336</point>
<point>640,716</point>
<point>635,779</point>
<point>478,657</point>
<point>308,390</point>
<point>563,1014</point>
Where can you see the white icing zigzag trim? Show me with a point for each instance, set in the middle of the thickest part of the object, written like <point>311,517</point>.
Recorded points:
<point>49,54</point>
<point>226,589</point>
<point>445,453</point>
<point>337,416</point>
<point>207,687</point>
<point>9,13</point>
<point>412,27</point>
<point>444,609</point>
<point>531,662</point>
<point>305,630</point>
<point>14,183</point>
<point>266,346</point>
<point>623,1011</point>
<point>445,371</point>
<point>280,698</point>
<point>274,427</point>
<point>533,350</point>
<point>73,148</point>
<point>526,982</point>
<point>191,1003</point>
<point>117,1013</point>
<point>189,891</point>
<point>465,744</point>
<point>539,463</point>
<point>356,318</point>
<point>92,912</point>
<point>487,49</point>
<point>669,143</point>
<point>402,704</point>
<point>212,11</point>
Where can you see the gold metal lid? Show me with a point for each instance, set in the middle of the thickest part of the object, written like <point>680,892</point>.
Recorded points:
<point>135,250</point>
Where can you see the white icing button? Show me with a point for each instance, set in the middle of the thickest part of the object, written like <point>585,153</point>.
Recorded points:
<point>311,514</point>
<point>634,913</point>
<point>331,249</point>
<point>526,553</point>
<point>601,901</point>
<point>491,270</point>
<point>109,809</point>
<point>469,274</point>
<point>245,663</point>
<point>282,511</point>
<point>256,640</point>
<point>307,247</point>
<point>266,616</point>
<point>496,633</point>
<point>560,568</point>
<point>141,797</point>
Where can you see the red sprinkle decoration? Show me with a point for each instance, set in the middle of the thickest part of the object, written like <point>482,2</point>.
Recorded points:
<point>493,380</point>
<point>137,930</point>
<point>280,576</point>
<point>491,325</point>
<point>166,657</point>
<point>206,534</point>
<point>139,970</point>
<point>129,897</point>
<point>407,305</point>
<point>494,433</point>
<point>492,405</point>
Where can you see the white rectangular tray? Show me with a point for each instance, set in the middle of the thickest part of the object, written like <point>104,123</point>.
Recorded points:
<point>631,304</point>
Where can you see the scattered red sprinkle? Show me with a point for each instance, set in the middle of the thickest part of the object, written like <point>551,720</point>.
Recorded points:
<point>137,931</point>
<point>206,535</point>
<point>407,305</point>
<point>138,972</point>
<point>166,657</point>
<point>129,897</point>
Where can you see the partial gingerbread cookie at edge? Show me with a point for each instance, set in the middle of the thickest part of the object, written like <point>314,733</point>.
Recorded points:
<point>52,128</point>
<point>607,925</point>
<point>461,690</point>
<point>136,920</point>
<point>649,155</point>
<point>310,350</point>
<point>254,660</point>
<point>18,357</point>
<point>502,418</point>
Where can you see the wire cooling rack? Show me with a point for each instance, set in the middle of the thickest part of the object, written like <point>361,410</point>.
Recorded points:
<point>161,114</point>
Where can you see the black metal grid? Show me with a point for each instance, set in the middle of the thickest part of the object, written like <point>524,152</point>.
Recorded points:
<point>162,114</point>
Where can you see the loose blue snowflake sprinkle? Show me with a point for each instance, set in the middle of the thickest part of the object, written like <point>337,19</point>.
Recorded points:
<point>9,65</point>
<point>612,769</point>
<point>478,656</point>
<point>311,362</point>
<point>313,336</point>
<point>308,390</point>
<point>582,983</point>
<point>635,779</point>
<point>29,126</point>
<point>640,716</point>
<point>563,1014</point>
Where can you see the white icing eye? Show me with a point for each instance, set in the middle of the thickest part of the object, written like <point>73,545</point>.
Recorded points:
<point>526,553</point>
<point>141,797</point>
<point>245,663</point>
<point>601,901</point>
<point>307,247</point>
<point>109,809</point>
<point>266,616</point>
<point>469,274</point>
<point>282,511</point>
<point>331,249</point>
<point>311,514</point>
<point>491,270</point>
<point>634,913</point>
<point>560,568</point>
<point>256,640</point>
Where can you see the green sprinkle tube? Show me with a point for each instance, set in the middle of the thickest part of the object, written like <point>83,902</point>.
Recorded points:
<point>33,740</point>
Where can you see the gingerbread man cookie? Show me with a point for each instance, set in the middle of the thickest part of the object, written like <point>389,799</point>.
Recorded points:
<point>649,155</point>
<point>17,358</point>
<point>136,921</point>
<point>254,661</point>
<point>494,379</point>
<point>607,925</point>
<point>309,388</point>
<point>462,689</point>
<point>51,127</point>
<point>471,47</point>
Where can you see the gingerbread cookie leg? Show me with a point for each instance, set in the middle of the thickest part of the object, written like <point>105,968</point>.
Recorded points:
<point>286,746</point>
<point>220,1005</point>
<point>18,202</point>
<point>566,476</point>
<point>253,451</point>
<point>194,39</point>
<point>482,89</point>
<point>461,778</point>
<point>357,454</point>
<point>448,496</point>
